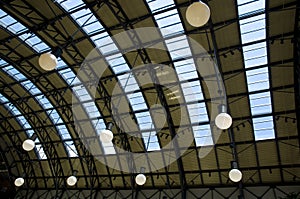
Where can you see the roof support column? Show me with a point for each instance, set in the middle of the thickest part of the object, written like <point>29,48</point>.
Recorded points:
<point>297,67</point>
<point>230,131</point>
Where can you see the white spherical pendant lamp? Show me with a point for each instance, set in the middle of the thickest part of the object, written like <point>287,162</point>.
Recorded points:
<point>235,175</point>
<point>47,61</point>
<point>140,179</point>
<point>28,145</point>
<point>197,14</point>
<point>19,182</point>
<point>223,121</point>
<point>106,136</point>
<point>71,181</point>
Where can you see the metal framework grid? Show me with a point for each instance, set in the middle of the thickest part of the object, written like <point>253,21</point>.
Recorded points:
<point>271,167</point>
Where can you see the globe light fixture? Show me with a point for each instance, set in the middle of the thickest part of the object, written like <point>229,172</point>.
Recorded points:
<point>223,120</point>
<point>140,179</point>
<point>29,144</point>
<point>72,180</point>
<point>197,14</point>
<point>106,135</point>
<point>19,181</point>
<point>235,174</point>
<point>48,61</point>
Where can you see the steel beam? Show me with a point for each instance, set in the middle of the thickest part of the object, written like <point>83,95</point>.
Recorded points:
<point>297,66</point>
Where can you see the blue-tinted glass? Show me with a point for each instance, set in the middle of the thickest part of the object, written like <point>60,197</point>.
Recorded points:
<point>257,79</point>
<point>202,135</point>
<point>170,24</point>
<point>117,62</point>
<point>254,29</point>
<point>24,123</point>
<point>263,128</point>
<point>246,8</point>
<point>156,6</point>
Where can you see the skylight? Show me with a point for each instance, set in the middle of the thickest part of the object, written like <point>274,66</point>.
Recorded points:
<point>170,24</point>
<point>88,103</point>
<point>118,64</point>
<point>90,25</point>
<point>8,22</point>
<point>24,123</point>
<point>45,103</point>
<point>254,29</point>
<point>159,5</point>
<point>37,45</point>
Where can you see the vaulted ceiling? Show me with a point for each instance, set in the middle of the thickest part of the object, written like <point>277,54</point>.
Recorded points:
<point>160,79</point>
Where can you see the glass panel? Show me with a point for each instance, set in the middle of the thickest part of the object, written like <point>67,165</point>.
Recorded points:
<point>156,6</point>
<point>45,103</point>
<point>254,29</point>
<point>255,55</point>
<point>169,23</point>
<point>24,123</point>
<point>260,103</point>
<point>151,141</point>
<point>71,149</point>
<point>248,7</point>
<point>106,46</point>
<point>8,22</point>
<point>263,128</point>
<point>40,150</point>
<point>202,135</point>
<point>257,79</point>
<point>70,5</point>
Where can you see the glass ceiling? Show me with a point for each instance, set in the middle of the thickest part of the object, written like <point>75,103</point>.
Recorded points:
<point>240,33</point>
<point>170,25</point>
<point>25,124</point>
<point>253,29</point>
<point>85,18</point>
<point>8,22</point>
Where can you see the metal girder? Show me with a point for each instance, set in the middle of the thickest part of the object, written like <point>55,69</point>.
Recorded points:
<point>271,86</point>
<point>16,142</point>
<point>297,66</point>
<point>231,130</point>
<point>49,148</point>
<point>250,118</point>
<point>74,52</point>
<point>136,20</point>
<point>100,99</point>
<point>56,96</point>
<point>244,119</point>
<point>253,168</point>
<point>264,192</point>
<point>5,162</point>
<point>250,142</point>
<point>122,18</point>
<point>223,50</point>
<point>104,96</point>
<point>117,10</point>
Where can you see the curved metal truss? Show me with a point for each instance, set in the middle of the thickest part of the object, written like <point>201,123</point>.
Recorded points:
<point>255,46</point>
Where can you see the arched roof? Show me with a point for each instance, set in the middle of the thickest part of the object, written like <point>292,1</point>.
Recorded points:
<point>140,65</point>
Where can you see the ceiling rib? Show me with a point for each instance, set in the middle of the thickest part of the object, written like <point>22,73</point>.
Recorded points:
<point>297,66</point>
<point>271,86</point>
